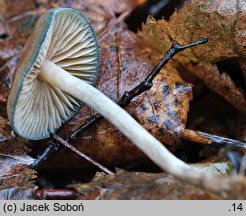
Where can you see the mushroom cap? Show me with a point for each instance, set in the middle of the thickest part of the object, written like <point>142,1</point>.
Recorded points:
<point>65,37</point>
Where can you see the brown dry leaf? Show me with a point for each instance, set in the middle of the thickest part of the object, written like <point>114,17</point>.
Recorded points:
<point>16,23</point>
<point>116,7</point>
<point>19,18</point>
<point>140,186</point>
<point>125,61</point>
<point>15,175</point>
<point>16,178</point>
<point>9,56</point>
<point>222,21</point>
<point>100,13</point>
<point>15,8</point>
<point>5,130</point>
<point>222,84</point>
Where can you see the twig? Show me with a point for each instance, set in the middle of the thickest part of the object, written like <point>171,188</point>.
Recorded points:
<point>148,82</point>
<point>66,144</point>
<point>206,138</point>
<point>124,101</point>
<point>56,194</point>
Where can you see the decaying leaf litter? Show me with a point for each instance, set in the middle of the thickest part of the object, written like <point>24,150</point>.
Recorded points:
<point>17,179</point>
<point>138,57</point>
<point>226,34</point>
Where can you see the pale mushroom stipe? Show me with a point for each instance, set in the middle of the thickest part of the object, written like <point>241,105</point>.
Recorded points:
<point>59,63</point>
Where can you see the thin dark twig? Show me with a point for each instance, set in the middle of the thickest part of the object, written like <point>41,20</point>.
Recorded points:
<point>124,101</point>
<point>50,150</point>
<point>66,144</point>
<point>148,82</point>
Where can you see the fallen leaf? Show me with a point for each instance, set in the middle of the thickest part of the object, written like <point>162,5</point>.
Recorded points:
<point>106,11</point>
<point>15,8</point>
<point>222,84</point>
<point>222,21</point>
<point>18,18</point>
<point>16,178</point>
<point>140,186</point>
<point>5,130</point>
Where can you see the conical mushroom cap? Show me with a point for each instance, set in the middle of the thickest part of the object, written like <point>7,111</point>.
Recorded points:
<point>65,37</point>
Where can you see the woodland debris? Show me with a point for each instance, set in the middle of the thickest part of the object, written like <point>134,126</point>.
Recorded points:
<point>17,179</point>
<point>5,130</point>
<point>222,84</point>
<point>56,194</point>
<point>222,21</point>
<point>63,142</point>
<point>118,59</point>
<point>141,186</point>
<point>206,138</point>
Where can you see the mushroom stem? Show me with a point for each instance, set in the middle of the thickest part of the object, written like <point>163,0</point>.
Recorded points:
<point>81,90</point>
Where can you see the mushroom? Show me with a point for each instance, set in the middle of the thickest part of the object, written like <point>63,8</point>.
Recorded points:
<point>65,37</point>
<point>58,65</point>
